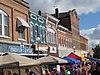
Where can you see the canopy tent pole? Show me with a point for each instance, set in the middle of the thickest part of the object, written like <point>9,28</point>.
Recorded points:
<point>2,71</point>
<point>19,69</point>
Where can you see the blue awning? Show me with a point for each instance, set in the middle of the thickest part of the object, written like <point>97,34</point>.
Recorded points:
<point>71,60</point>
<point>92,59</point>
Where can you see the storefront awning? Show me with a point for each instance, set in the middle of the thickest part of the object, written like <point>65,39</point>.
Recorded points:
<point>21,22</point>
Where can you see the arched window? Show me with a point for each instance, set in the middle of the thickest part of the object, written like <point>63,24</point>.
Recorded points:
<point>31,31</point>
<point>51,36</point>
<point>3,23</point>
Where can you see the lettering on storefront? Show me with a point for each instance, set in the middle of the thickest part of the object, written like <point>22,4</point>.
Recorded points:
<point>21,49</point>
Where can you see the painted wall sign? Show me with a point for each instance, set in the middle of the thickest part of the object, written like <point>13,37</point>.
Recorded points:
<point>20,49</point>
<point>53,49</point>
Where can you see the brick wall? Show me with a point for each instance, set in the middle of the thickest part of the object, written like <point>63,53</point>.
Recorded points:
<point>15,9</point>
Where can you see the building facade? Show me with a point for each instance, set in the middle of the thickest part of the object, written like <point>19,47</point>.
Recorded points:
<point>14,27</point>
<point>84,43</point>
<point>38,34</point>
<point>70,21</point>
<point>45,35</point>
<point>64,41</point>
<point>51,34</point>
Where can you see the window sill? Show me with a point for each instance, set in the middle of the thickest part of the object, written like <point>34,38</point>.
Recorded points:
<point>6,37</point>
<point>21,39</point>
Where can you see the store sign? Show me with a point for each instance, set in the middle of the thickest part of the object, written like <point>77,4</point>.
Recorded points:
<point>53,50</point>
<point>20,50</point>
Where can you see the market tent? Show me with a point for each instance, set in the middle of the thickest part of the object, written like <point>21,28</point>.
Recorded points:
<point>22,60</point>
<point>12,60</point>
<point>73,55</point>
<point>92,59</point>
<point>51,59</point>
<point>71,60</point>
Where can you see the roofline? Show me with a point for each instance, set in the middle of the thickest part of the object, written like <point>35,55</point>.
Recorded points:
<point>22,3</point>
<point>53,17</point>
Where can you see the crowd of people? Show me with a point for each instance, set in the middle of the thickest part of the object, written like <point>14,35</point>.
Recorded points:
<point>27,71</point>
<point>91,68</point>
<point>87,68</point>
<point>30,72</point>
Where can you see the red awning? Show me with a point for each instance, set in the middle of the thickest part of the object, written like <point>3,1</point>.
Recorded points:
<point>73,55</point>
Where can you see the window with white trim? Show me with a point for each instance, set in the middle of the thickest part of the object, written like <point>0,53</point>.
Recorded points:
<point>31,31</point>
<point>54,38</point>
<point>51,36</point>
<point>44,37</point>
<point>41,34</point>
<point>37,30</point>
<point>34,33</point>
<point>3,23</point>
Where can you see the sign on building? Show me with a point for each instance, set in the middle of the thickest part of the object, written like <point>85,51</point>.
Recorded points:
<point>53,49</point>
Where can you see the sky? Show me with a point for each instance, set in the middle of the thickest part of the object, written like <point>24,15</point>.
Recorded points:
<point>88,12</point>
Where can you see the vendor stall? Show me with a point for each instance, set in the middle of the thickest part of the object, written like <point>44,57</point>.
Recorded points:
<point>14,63</point>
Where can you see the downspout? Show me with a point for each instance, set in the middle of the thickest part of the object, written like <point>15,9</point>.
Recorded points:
<point>12,24</point>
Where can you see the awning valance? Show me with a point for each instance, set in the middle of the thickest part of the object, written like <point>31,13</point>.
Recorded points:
<point>21,22</point>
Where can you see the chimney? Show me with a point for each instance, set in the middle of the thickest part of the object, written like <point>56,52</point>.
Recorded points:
<point>39,12</point>
<point>57,13</point>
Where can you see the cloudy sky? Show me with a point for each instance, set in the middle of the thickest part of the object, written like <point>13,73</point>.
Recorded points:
<point>82,6</point>
<point>88,11</point>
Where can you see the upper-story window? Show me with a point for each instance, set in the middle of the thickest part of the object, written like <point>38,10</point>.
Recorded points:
<point>32,32</point>
<point>21,25</point>
<point>3,23</point>
<point>51,36</point>
<point>21,33</point>
<point>37,30</point>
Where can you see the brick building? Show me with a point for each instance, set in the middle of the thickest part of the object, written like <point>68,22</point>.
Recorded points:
<point>14,27</point>
<point>83,43</point>
<point>70,21</point>
<point>64,40</point>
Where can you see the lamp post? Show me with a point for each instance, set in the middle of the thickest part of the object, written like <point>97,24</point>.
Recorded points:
<point>37,40</point>
<point>74,48</point>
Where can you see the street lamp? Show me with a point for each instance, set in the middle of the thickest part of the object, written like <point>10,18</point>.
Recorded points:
<point>74,48</point>
<point>37,41</point>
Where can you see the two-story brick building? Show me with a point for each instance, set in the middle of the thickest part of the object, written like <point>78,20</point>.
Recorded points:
<point>14,27</point>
